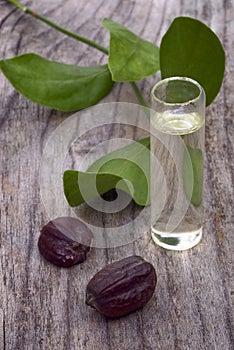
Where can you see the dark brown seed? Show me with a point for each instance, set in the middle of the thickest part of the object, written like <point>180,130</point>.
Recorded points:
<point>65,241</point>
<point>122,287</point>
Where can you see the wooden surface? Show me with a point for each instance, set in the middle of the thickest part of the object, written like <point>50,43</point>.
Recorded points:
<point>42,306</point>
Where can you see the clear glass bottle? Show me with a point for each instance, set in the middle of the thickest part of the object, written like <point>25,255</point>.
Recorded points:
<point>177,125</point>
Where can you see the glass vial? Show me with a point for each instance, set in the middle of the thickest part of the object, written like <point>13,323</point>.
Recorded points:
<point>177,125</point>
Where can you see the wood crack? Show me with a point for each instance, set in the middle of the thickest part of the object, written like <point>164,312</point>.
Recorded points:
<point>68,303</point>
<point>7,16</point>
<point>17,22</point>
<point>161,22</point>
<point>3,330</point>
<point>4,334</point>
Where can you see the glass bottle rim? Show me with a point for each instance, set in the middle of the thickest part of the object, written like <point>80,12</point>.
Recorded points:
<point>179,78</point>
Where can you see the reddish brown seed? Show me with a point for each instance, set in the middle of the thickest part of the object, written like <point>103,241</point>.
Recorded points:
<point>65,241</point>
<point>122,287</point>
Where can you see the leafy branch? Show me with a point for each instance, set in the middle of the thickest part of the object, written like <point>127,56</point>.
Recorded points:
<point>188,48</point>
<point>73,35</point>
<point>58,27</point>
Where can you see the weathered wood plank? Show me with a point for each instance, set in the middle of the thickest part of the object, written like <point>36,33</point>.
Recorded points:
<point>42,306</point>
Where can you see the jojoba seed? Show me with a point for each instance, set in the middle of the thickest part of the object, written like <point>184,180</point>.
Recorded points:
<point>122,287</point>
<point>65,241</point>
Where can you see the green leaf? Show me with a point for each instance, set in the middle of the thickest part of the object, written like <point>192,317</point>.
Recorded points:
<point>130,57</point>
<point>56,85</point>
<point>191,49</point>
<point>131,163</point>
<point>193,174</point>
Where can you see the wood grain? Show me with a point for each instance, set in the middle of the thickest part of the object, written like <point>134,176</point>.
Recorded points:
<point>42,306</point>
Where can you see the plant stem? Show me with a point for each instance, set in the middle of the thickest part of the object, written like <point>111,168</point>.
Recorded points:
<point>138,94</point>
<point>77,37</point>
<point>17,4</point>
<point>140,98</point>
<point>57,27</point>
